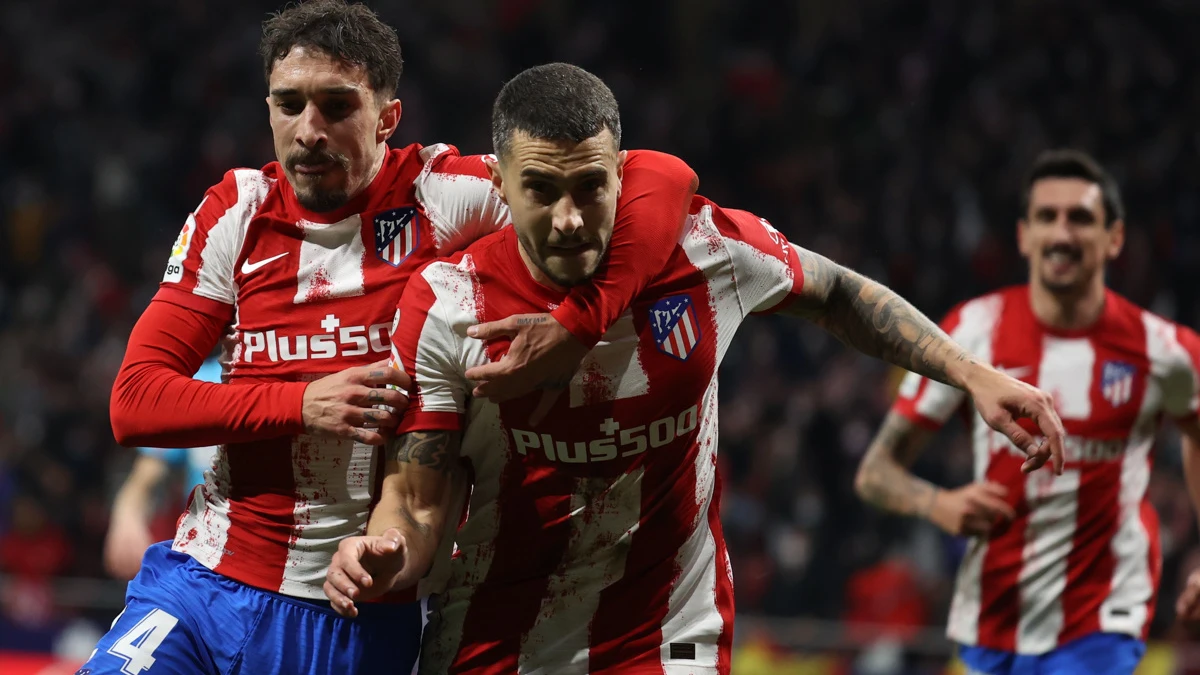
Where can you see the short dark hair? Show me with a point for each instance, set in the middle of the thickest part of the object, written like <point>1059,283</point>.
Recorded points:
<point>555,101</point>
<point>347,32</point>
<point>1067,163</point>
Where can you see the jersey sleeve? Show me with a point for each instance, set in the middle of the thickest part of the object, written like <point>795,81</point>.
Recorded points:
<point>766,267</point>
<point>929,403</point>
<point>1181,384</point>
<point>456,193</point>
<point>199,272</point>
<point>426,346</point>
<point>656,192</point>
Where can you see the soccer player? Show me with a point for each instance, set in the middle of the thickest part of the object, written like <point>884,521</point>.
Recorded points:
<point>1061,571</point>
<point>297,269</point>
<point>592,541</point>
<point>129,524</point>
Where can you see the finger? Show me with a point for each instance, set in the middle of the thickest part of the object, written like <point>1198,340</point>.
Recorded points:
<point>376,396</point>
<point>995,489</point>
<point>375,419</point>
<point>1037,458</point>
<point>974,526</point>
<point>379,376</point>
<point>340,603</point>
<point>549,396</point>
<point>491,371</point>
<point>391,540</point>
<point>1022,439</point>
<point>349,574</point>
<point>364,436</point>
<point>494,329</point>
<point>993,507</point>
<point>1052,428</point>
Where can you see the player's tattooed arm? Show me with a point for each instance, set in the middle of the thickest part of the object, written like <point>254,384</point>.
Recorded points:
<point>868,316</point>
<point>433,449</point>
<point>416,491</point>
<point>884,479</point>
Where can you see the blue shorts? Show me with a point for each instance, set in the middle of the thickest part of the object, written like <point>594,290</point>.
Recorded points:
<point>1095,654</point>
<point>181,617</point>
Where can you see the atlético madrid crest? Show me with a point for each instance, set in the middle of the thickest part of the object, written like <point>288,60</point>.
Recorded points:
<point>396,235</point>
<point>1116,382</point>
<point>675,326</point>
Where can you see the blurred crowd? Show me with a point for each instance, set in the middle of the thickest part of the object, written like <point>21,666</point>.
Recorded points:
<point>889,135</point>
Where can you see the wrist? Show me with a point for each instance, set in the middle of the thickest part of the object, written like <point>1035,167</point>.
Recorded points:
<point>927,509</point>
<point>571,325</point>
<point>968,373</point>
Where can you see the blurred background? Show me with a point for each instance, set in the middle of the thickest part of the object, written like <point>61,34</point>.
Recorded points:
<point>889,135</point>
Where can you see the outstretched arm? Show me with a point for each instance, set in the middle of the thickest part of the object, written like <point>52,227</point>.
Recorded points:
<point>868,316</point>
<point>406,526</point>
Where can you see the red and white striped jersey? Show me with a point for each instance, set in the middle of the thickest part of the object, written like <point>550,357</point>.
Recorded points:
<point>1083,555</point>
<point>592,542</point>
<point>312,294</point>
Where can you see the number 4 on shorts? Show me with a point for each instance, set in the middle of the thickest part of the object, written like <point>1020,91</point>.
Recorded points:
<point>138,645</point>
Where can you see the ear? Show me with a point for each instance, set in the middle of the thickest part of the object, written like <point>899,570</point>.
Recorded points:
<point>621,170</point>
<point>389,119</point>
<point>1116,239</point>
<point>493,167</point>
<point>1023,244</point>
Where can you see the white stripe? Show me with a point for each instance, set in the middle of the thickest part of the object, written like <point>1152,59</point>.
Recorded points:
<point>1131,583</point>
<point>978,321</point>
<point>1066,374</point>
<point>204,529</point>
<point>1049,535</point>
<point>686,321</point>
<point>461,208</point>
<point>681,347</point>
<point>1171,365</point>
<point>613,370</point>
<point>717,266</point>
<point>331,260</point>
<point>214,277</point>
<point>692,612</point>
<point>603,523</point>
<point>333,480</point>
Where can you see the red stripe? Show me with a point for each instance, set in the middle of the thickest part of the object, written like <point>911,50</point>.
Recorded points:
<point>262,503</point>
<point>1149,519</point>
<point>1090,563</point>
<point>505,606</point>
<point>624,641</point>
<point>1016,341</point>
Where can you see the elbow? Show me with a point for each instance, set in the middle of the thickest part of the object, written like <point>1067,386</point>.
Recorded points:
<point>122,416</point>
<point>862,482</point>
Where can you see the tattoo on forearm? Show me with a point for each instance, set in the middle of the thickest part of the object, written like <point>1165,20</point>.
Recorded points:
<point>871,318</point>
<point>426,448</point>
<point>533,320</point>
<point>884,478</point>
<point>423,528</point>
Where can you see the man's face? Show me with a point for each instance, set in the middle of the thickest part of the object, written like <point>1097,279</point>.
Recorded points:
<point>563,198</point>
<point>1064,236</point>
<point>329,127</point>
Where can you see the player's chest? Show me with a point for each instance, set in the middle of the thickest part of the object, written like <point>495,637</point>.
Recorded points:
<point>310,292</point>
<point>1100,388</point>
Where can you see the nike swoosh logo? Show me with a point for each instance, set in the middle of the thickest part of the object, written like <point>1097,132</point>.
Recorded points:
<point>1018,373</point>
<point>248,267</point>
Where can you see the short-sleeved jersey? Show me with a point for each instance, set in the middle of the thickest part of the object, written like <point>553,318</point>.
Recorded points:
<point>1082,555</point>
<point>311,294</point>
<point>592,542</point>
<point>194,461</point>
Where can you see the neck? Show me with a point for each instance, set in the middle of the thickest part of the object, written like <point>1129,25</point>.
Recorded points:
<point>380,154</point>
<point>535,271</point>
<point>1070,310</point>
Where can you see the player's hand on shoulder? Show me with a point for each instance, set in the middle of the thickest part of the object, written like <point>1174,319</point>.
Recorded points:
<point>364,568</point>
<point>363,403</point>
<point>972,510</point>
<point>543,355</point>
<point>1001,400</point>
